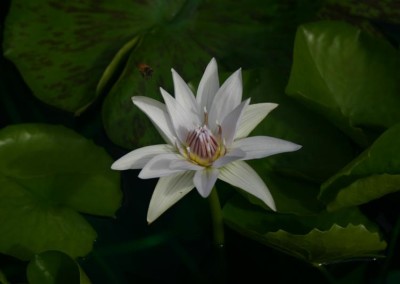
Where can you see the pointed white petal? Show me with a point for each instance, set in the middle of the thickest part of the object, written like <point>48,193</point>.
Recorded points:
<point>232,155</point>
<point>230,123</point>
<point>181,118</point>
<point>252,116</point>
<point>208,86</point>
<point>241,175</point>
<point>160,166</point>
<point>257,147</point>
<point>168,191</point>
<point>205,180</point>
<point>184,95</point>
<point>227,98</point>
<point>157,112</point>
<point>138,158</point>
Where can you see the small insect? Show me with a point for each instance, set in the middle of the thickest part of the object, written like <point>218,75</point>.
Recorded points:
<point>145,70</point>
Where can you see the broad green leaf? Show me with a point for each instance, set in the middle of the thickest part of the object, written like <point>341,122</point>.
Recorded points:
<point>47,174</point>
<point>321,239</point>
<point>55,267</point>
<point>203,30</point>
<point>324,150</point>
<point>126,124</point>
<point>373,174</point>
<point>347,76</point>
<point>62,48</point>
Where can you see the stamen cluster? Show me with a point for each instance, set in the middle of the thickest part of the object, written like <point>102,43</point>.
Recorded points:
<point>202,146</point>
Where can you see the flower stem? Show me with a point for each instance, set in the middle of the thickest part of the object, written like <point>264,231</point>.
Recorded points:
<point>217,219</point>
<point>219,271</point>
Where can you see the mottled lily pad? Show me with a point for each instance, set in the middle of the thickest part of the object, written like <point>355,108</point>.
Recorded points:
<point>62,48</point>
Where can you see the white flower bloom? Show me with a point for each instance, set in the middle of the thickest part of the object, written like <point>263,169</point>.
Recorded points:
<point>206,138</point>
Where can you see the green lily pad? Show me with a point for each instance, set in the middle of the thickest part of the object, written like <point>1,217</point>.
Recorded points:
<point>324,150</point>
<point>187,45</point>
<point>47,174</point>
<point>347,76</point>
<point>62,48</point>
<point>373,174</point>
<point>321,239</point>
<point>126,124</point>
<point>55,267</point>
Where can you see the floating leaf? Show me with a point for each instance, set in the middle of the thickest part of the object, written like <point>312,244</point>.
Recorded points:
<point>347,76</point>
<point>187,44</point>
<point>62,48</point>
<point>55,267</point>
<point>125,124</point>
<point>320,239</point>
<point>47,174</point>
<point>321,142</point>
<point>373,174</point>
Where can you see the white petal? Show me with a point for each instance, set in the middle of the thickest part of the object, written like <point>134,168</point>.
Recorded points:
<point>252,116</point>
<point>257,147</point>
<point>185,165</point>
<point>168,191</point>
<point>157,112</point>
<point>230,123</point>
<point>181,118</point>
<point>184,95</point>
<point>205,180</point>
<point>136,159</point>
<point>241,175</point>
<point>227,98</point>
<point>160,166</point>
<point>208,86</point>
<point>232,155</point>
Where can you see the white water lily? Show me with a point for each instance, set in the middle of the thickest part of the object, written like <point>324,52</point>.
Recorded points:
<point>206,140</point>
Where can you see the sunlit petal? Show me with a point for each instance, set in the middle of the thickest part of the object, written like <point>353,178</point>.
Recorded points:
<point>204,180</point>
<point>252,116</point>
<point>241,175</point>
<point>184,95</point>
<point>208,86</point>
<point>227,98</point>
<point>257,147</point>
<point>160,166</point>
<point>158,114</point>
<point>230,156</point>
<point>231,122</point>
<point>181,118</point>
<point>168,191</point>
<point>138,158</point>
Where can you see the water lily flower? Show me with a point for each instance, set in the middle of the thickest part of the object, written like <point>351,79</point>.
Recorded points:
<point>206,140</point>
